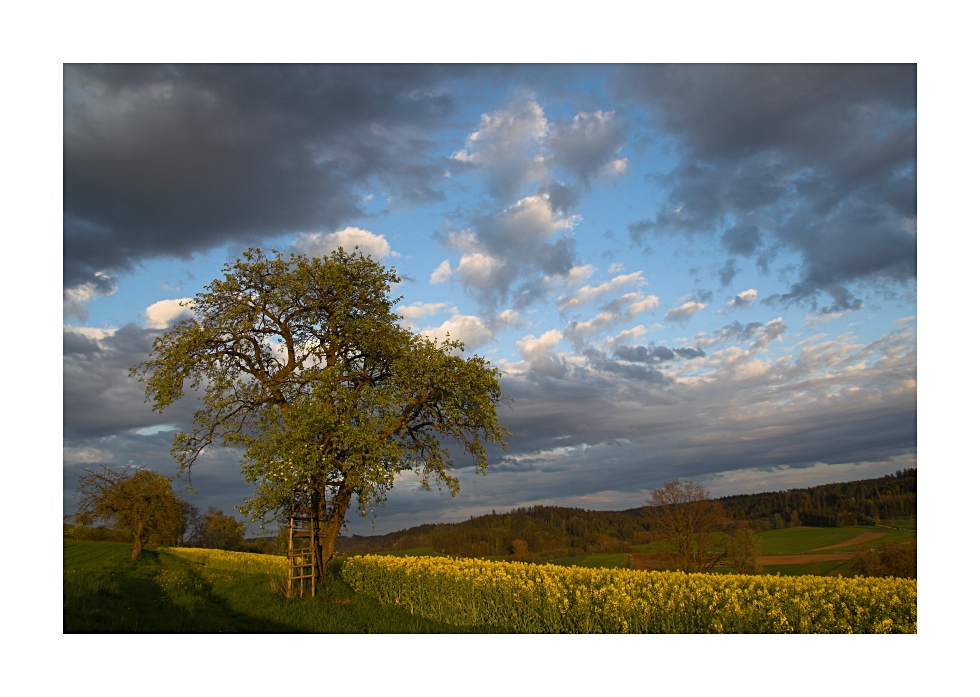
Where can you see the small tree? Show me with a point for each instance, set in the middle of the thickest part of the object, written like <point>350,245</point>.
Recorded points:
<point>220,531</point>
<point>142,502</point>
<point>742,547</point>
<point>684,517</point>
<point>177,530</point>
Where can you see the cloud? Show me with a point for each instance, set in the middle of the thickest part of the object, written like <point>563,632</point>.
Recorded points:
<point>616,311</point>
<point>507,145</point>
<point>469,329</point>
<point>589,145</point>
<point>588,294</point>
<point>684,312</point>
<point>539,355</point>
<point>744,299</point>
<point>167,161</point>
<point>525,244</point>
<point>817,161</point>
<point>737,332</point>
<point>320,244</point>
<point>442,273</point>
<point>419,309</point>
<point>74,298</point>
<point>164,313</point>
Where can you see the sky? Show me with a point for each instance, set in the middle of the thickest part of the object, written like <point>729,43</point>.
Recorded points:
<point>703,272</point>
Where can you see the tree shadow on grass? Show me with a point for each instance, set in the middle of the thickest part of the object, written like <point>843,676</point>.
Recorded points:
<point>139,597</point>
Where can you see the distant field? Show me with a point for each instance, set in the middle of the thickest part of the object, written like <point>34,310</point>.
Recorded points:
<point>805,539</point>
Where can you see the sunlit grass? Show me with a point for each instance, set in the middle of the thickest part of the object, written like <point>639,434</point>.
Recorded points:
<point>210,591</point>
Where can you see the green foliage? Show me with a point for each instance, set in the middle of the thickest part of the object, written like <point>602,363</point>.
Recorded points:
<point>892,559</point>
<point>829,505</point>
<point>141,502</point>
<point>219,531</point>
<point>303,366</point>
<point>741,548</point>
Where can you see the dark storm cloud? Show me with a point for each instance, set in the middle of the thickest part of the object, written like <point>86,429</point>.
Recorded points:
<point>100,399</point>
<point>742,239</point>
<point>173,160</point>
<point>588,144</point>
<point>655,354</point>
<point>818,160</point>
<point>629,370</point>
<point>727,272</point>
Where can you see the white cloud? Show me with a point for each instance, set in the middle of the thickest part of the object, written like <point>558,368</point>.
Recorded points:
<point>478,269</point>
<point>508,318</point>
<point>531,346</point>
<point>420,309</point>
<point>471,330</point>
<point>647,304</point>
<point>320,244</point>
<point>94,333</point>
<point>577,331</point>
<point>615,168</point>
<point>588,294</point>
<point>164,313</point>
<point>442,273</point>
<point>508,146</point>
<point>684,312</point>
<point>74,299</point>
<point>744,299</point>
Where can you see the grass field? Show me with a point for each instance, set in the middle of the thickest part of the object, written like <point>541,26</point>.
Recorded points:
<point>163,593</point>
<point>208,591</point>
<point>801,540</point>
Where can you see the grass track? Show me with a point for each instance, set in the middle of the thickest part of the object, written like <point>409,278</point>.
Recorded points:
<point>161,593</point>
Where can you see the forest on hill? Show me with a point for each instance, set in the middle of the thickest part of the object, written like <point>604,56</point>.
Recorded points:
<point>573,531</point>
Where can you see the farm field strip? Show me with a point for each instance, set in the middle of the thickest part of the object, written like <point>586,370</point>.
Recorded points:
<point>536,598</point>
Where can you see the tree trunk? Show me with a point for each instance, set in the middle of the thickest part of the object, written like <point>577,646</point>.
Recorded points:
<point>328,520</point>
<point>137,543</point>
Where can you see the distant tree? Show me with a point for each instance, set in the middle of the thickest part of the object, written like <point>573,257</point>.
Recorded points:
<point>898,560</point>
<point>519,548</point>
<point>219,531</point>
<point>742,547</point>
<point>685,518</point>
<point>303,366</point>
<point>142,502</point>
<point>178,529</point>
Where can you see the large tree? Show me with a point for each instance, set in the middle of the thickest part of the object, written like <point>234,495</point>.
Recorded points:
<point>142,502</point>
<point>685,518</point>
<point>303,366</point>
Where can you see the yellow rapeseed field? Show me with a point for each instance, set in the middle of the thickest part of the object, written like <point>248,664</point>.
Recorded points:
<point>557,599</point>
<point>238,561</point>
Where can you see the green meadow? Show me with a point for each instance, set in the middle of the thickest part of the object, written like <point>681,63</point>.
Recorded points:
<point>162,593</point>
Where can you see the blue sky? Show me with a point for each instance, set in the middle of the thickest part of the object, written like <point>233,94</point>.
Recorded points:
<point>704,272</point>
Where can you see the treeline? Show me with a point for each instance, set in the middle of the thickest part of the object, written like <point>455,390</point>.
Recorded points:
<point>522,531</point>
<point>863,502</point>
<point>550,530</point>
<point>211,530</point>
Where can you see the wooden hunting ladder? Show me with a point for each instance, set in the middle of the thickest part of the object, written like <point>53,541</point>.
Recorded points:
<point>300,555</point>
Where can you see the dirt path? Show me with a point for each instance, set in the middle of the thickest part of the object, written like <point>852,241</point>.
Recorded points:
<point>865,537</point>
